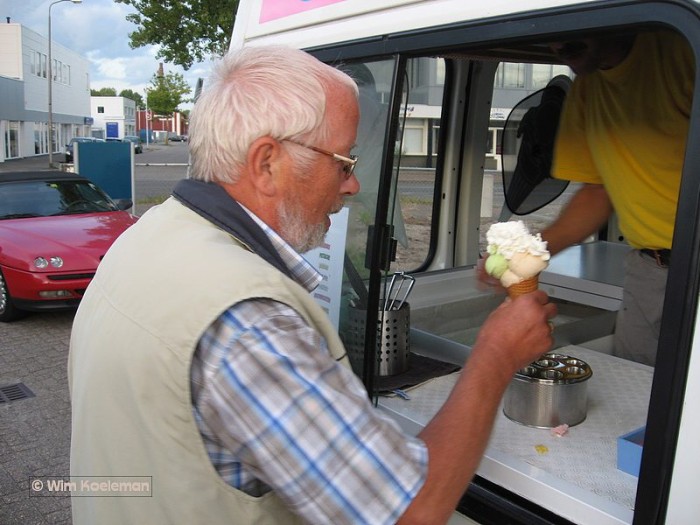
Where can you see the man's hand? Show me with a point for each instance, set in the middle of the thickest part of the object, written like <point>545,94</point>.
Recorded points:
<point>517,332</point>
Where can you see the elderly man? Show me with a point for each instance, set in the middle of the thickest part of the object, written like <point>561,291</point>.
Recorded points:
<point>198,357</point>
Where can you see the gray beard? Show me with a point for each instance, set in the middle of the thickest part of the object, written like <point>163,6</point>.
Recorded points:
<point>300,236</point>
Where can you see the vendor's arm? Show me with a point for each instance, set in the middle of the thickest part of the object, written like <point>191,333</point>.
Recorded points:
<point>514,335</point>
<point>587,212</point>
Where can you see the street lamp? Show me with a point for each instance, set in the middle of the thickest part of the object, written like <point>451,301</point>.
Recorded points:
<point>146,118</point>
<point>50,72</point>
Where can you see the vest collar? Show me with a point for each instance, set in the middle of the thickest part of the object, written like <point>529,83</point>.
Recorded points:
<point>210,201</point>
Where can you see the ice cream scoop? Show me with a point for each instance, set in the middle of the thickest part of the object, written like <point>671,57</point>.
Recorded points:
<point>495,265</point>
<point>526,265</point>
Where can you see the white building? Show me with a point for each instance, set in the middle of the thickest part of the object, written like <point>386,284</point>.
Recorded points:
<point>113,117</point>
<point>24,93</point>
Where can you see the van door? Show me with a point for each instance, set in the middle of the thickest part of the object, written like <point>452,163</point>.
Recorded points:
<point>438,186</point>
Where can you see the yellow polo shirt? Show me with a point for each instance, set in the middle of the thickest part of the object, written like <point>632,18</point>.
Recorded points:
<point>626,128</point>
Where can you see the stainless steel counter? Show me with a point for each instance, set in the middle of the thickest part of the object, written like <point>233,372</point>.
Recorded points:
<point>590,274</point>
<point>574,476</point>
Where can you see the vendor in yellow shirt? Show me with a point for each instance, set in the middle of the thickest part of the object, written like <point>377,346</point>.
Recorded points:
<point>623,133</point>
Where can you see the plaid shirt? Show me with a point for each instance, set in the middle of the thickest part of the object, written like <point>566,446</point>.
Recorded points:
<point>277,412</point>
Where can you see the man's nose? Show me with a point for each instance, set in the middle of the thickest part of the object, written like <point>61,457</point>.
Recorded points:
<point>350,186</point>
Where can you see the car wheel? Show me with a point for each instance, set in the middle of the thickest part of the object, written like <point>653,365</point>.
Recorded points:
<point>8,312</point>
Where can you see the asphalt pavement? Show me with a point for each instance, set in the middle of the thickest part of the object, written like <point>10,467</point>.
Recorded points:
<point>34,399</point>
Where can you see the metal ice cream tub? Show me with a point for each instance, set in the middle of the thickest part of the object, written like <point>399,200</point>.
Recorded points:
<point>549,392</point>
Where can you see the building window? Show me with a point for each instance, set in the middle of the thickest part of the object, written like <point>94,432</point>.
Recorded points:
<point>41,138</point>
<point>100,109</point>
<point>510,75</point>
<point>543,73</point>
<point>12,140</point>
<point>39,65</point>
<point>413,138</point>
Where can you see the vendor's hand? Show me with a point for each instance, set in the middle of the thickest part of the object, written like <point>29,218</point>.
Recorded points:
<point>484,280</point>
<point>517,332</point>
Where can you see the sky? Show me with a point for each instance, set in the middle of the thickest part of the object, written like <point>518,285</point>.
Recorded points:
<point>98,30</point>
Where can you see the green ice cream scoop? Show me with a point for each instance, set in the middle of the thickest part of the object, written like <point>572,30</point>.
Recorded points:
<point>495,265</point>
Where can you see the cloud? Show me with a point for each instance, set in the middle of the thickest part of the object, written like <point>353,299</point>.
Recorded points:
<point>99,31</point>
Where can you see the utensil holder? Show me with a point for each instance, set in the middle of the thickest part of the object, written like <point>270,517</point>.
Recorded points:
<point>393,339</point>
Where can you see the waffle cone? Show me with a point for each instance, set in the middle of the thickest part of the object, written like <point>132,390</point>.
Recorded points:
<point>523,287</point>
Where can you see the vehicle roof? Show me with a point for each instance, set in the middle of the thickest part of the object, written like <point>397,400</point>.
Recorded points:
<point>307,26</point>
<point>47,175</point>
<point>320,26</point>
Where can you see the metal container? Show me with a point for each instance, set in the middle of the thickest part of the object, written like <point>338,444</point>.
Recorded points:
<point>393,341</point>
<point>549,392</point>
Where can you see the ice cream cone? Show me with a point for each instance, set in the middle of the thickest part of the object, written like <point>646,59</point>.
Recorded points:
<point>523,287</point>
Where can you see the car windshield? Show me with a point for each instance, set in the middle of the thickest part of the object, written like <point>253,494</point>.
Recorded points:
<point>49,198</point>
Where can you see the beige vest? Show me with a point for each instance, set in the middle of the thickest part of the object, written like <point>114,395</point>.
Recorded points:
<point>163,283</point>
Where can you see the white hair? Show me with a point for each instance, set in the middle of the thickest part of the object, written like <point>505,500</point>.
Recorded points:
<point>274,91</point>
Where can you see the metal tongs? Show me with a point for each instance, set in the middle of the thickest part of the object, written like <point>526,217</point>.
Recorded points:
<point>392,294</point>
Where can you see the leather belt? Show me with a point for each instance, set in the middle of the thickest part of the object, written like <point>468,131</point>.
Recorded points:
<point>662,257</point>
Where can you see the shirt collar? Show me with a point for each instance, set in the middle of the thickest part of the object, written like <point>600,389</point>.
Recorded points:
<point>302,271</point>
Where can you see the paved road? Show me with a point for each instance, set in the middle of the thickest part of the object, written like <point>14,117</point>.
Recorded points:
<point>35,432</point>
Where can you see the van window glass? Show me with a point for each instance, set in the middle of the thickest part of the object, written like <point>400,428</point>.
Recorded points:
<point>374,79</point>
<point>534,76</point>
<point>412,180</point>
<point>417,161</point>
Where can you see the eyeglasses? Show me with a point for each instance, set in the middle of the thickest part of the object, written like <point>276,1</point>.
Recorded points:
<point>348,162</point>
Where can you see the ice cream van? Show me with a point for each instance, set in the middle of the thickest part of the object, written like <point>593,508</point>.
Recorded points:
<point>444,89</point>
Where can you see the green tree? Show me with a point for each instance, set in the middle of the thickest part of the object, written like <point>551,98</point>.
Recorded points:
<point>186,32</point>
<point>103,92</point>
<point>133,95</point>
<point>167,93</point>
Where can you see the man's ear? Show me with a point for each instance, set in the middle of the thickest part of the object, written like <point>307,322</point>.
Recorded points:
<point>264,159</point>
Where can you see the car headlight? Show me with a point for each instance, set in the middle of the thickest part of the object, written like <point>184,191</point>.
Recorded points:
<point>41,262</point>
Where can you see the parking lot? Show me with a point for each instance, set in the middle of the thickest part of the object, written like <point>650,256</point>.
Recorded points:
<point>34,400</point>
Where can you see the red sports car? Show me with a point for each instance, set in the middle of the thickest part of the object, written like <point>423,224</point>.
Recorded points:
<point>55,228</point>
